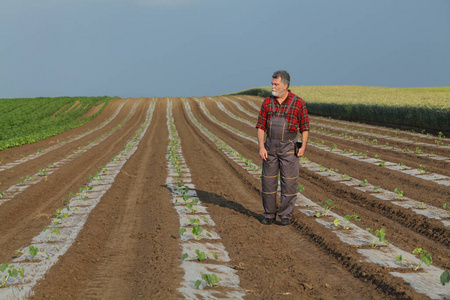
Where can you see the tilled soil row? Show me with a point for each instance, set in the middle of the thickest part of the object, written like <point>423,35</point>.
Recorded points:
<point>42,151</point>
<point>68,146</point>
<point>129,247</point>
<point>32,208</point>
<point>394,144</point>
<point>43,173</point>
<point>203,252</point>
<point>244,155</point>
<point>429,163</point>
<point>273,261</point>
<point>14,154</point>
<point>429,192</point>
<point>427,210</point>
<point>65,228</point>
<point>424,189</point>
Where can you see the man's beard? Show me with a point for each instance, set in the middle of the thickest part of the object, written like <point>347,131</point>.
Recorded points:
<point>276,93</point>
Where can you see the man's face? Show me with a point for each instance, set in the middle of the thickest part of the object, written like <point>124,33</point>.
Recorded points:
<point>278,89</point>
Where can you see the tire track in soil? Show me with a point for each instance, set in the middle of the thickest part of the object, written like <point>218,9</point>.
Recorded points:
<point>400,288</point>
<point>129,247</point>
<point>277,261</point>
<point>32,208</point>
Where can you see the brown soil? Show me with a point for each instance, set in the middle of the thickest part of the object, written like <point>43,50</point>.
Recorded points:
<point>129,247</point>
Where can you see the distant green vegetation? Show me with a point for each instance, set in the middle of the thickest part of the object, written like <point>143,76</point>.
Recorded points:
<point>427,108</point>
<point>29,120</point>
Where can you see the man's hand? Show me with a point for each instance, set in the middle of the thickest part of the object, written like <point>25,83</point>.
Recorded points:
<point>301,151</point>
<point>263,153</point>
<point>262,149</point>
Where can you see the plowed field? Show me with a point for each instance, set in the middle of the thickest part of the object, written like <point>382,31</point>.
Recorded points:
<point>116,189</point>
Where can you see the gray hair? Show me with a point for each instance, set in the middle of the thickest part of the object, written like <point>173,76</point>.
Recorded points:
<point>285,77</point>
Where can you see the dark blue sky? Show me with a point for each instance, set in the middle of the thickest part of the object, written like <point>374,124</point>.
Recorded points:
<point>134,48</point>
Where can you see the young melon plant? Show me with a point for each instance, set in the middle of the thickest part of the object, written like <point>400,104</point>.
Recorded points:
<point>425,258</point>
<point>380,234</point>
<point>32,252</point>
<point>210,279</point>
<point>347,218</point>
<point>445,277</point>
<point>9,271</point>
<point>327,206</point>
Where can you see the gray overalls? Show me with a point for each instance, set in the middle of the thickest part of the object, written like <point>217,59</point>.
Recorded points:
<point>280,158</point>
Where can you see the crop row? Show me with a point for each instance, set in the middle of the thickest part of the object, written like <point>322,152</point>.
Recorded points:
<point>362,184</point>
<point>24,182</point>
<point>60,234</point>
<point>43,151</point>
<point>37,119</point>
<point>431,275</point>
<point>199,258</point>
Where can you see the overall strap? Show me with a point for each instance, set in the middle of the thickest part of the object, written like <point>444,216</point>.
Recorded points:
<point>289,107</point>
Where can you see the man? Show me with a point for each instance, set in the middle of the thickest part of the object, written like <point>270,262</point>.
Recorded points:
<point>282,115</point>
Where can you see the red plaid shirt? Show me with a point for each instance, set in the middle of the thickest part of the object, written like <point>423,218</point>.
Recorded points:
<point>297,117</point>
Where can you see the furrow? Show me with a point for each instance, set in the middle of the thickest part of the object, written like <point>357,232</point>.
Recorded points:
<point>43,174</point>
<point>425,281</point>
<point>62,231</point>
<point>193,216</point>
<point>59,145</point>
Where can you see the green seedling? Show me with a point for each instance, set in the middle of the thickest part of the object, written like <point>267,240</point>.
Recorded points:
<point>421,169</point>
<point>363,183</point>
<point>425,258</point>
<point>193,221</point>
<point>382,163</point>
<point>184,191</point>
<point>445,277</point>
<point>185,255</point>
<point>248,162</point>
<point>447,207</point>
<point>12,272</point>
<point>61,215</point>
<point>347,218</point>
<point>399,193</point>
<point>181,231</point>
<point>300,188</point>
<point>191,204</point>
<point>196,231</point>
<point>2,194</point>
<point>52,230</point>
<point>380,234</point>
<point>376,188</point>
<point>201,256</point>
<point>346,177</point>
<point>421,204</point>
<point>334,146</point>
<point>327,206</point>
<point>32,252</point>
<point>210,279</point>
<point>186,197</point>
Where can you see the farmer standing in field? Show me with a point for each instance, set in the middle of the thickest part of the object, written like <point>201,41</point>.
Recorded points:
<point>282,115</point>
